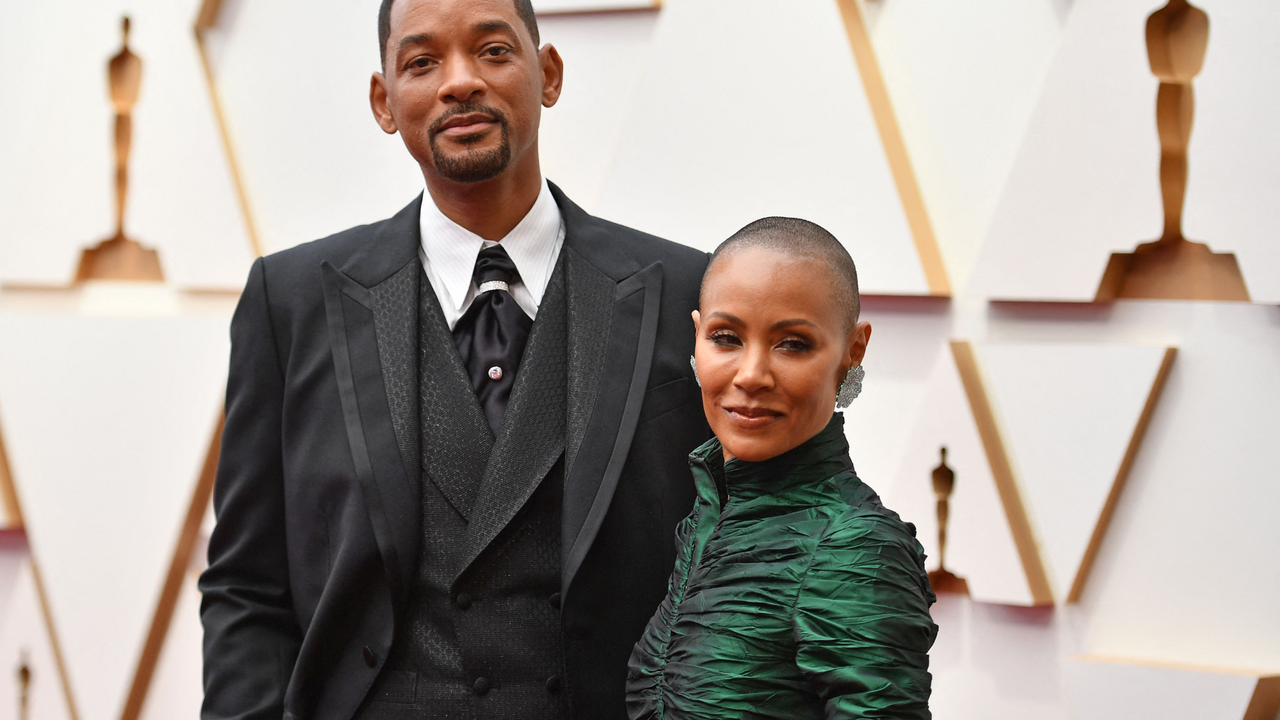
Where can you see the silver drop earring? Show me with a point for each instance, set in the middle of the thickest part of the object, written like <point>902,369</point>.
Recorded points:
<point>694,364</point>
<point>850,388</point>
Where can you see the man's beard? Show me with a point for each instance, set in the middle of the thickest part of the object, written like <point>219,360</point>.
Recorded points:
<point>471,165</point>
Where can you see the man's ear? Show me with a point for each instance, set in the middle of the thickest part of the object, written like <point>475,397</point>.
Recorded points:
<point>379,104</point>
<point>552,74</point>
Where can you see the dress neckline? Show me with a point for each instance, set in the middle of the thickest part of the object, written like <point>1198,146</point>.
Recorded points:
<point>824,454</point>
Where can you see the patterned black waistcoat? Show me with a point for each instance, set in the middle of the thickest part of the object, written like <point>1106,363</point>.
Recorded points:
<point>481,637</point>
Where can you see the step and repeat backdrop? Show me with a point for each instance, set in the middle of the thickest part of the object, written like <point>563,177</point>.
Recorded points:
<point>1073,390</point>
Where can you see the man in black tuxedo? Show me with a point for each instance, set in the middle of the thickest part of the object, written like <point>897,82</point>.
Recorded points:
<point>456,440</point>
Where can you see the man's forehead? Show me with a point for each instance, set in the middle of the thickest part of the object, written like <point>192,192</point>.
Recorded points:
<point>438,17</point>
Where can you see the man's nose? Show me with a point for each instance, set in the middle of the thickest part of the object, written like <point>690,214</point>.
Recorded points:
<point>462,81</point>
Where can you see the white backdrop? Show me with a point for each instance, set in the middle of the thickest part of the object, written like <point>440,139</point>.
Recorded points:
<point>1187,572</point>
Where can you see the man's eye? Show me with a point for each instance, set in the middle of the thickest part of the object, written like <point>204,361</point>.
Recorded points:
<point>420,63</point>
<point>496,51</point>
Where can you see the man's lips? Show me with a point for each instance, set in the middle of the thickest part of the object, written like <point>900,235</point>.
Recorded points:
<point>469,124</point>
<point>748,418</point>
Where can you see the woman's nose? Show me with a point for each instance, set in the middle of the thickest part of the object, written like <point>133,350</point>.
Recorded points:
<point>754,373</point>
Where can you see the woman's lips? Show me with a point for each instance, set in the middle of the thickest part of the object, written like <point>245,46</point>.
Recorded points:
<point>750,418</point>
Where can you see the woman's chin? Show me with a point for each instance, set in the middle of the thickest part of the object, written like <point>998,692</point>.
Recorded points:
<point>753,446</point>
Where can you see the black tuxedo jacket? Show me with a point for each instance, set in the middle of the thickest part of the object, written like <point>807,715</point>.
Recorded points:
<point>317,539</point>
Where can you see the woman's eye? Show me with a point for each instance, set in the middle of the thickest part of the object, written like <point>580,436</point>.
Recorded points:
<point>794,345</point>
<point>726,339</point>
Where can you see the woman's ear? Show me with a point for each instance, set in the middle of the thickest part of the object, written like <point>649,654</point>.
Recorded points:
<point>859,336</point>
<point>697,322</point>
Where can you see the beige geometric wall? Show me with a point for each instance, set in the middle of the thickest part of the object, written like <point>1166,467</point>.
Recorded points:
<point>103,462</point>
<point>1085,182</point>
<point>1106,689</point>
<point>972,90</point>
<point>55,130</point>
<point>1042,437</point>
<point>24,637</point>
<point>716,147</point>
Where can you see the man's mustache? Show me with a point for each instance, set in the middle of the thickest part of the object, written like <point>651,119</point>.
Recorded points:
<point>467,109</point>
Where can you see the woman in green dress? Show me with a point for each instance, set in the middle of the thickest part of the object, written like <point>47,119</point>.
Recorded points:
<point>795,593</point>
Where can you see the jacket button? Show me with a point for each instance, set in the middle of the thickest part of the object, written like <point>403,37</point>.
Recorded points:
<point>555,601</point>
<point>481,685</point>
<point>553,684</point>
<point>369,658</point>
<point>464,601</point>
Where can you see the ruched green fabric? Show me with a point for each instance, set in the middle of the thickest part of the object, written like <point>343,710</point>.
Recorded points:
<point>795,595</point>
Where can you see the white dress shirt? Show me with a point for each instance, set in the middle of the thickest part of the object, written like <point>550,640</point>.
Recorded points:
<point>449,252</point>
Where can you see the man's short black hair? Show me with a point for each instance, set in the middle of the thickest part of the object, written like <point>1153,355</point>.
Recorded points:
<point>796,237</point>
<point>524,8</point>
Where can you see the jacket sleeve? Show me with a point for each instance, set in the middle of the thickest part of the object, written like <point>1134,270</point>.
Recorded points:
<point>251,636</point>
<point>862,623</point>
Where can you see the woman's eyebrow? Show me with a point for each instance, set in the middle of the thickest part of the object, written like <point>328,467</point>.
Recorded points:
<point>725,316</point>
<point>795,321</point>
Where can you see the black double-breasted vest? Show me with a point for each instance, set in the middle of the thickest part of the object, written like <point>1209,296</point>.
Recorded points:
<point>482,640</point>
<point>377,547</point>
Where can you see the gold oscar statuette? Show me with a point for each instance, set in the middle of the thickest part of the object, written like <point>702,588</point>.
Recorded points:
<point>944,482</point>
<point>1173,267</point>
<point>120,258</point>
<point>24,685</point>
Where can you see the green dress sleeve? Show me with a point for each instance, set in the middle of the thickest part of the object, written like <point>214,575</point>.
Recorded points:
<point>862,623</point>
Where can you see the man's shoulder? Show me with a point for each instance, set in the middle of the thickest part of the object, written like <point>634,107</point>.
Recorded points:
<point>364,251</point>
<point>597,236</point>
<point>336,249</point>
<point>643,245</point>
<point>682,266</point>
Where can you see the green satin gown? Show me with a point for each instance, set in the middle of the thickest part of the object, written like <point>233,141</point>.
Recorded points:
<point>795,595</point>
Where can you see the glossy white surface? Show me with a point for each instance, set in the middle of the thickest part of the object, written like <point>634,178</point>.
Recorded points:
<point>107,422</point>
<point>1067,412</point>
<point>1085,182</point>
<point>980,545</point>
<point>23,635</point>
<point>995,662</point>
<point>1234,156</point>
<point>57,190</point>
<point>1104,689</point>
<point>1186,573</point>
<point>729,127</point>
<point>570,6</point>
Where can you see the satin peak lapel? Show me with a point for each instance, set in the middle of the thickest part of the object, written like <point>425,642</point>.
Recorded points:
<point>610,356</point>
<point>371,312</point>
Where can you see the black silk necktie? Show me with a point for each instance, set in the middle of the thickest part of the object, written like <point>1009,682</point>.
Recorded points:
<point>492,334</point>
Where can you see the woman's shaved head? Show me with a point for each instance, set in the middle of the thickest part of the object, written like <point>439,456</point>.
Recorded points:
<point>801,239</point>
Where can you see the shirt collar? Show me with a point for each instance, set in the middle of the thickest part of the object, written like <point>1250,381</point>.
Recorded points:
<point>821,456</point>
<point>452,249</point>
